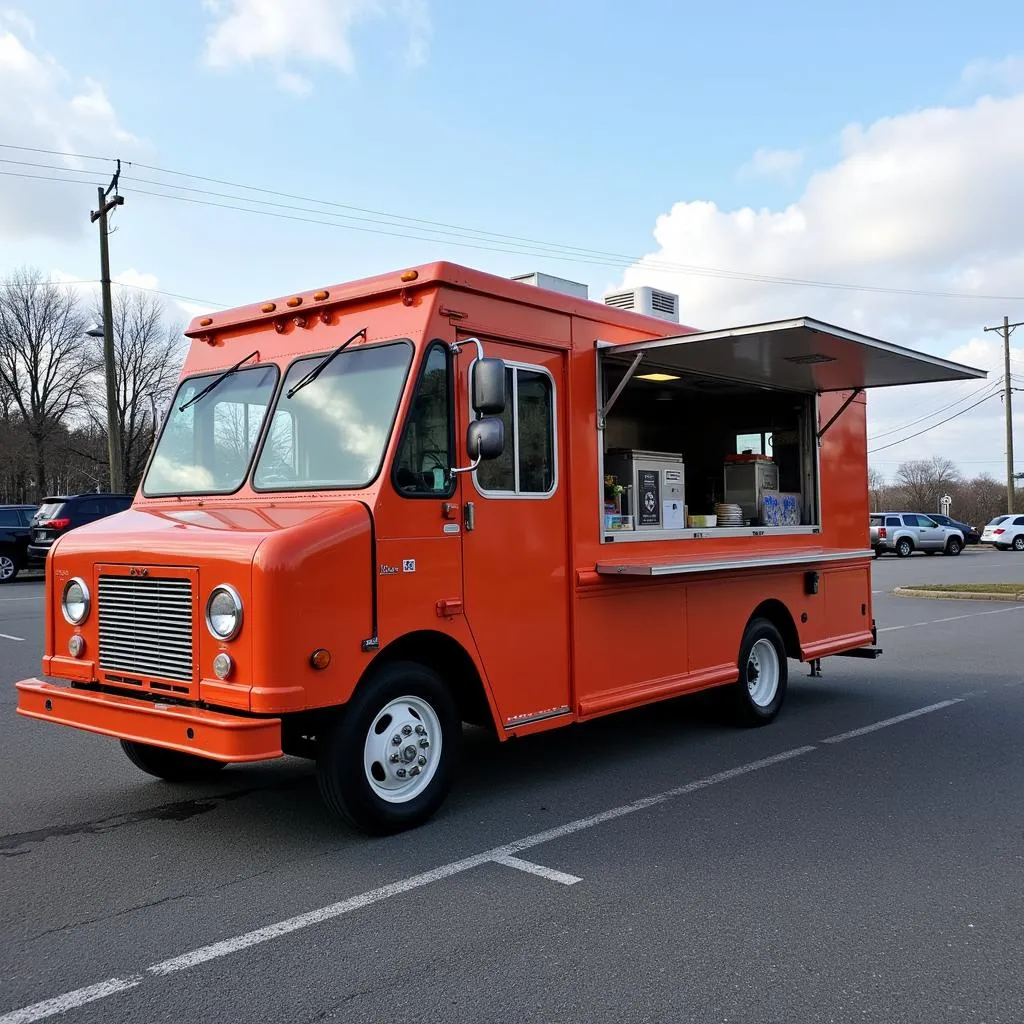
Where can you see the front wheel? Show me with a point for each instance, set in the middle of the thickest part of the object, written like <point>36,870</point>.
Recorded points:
<point>954,546</point>
<point>170,765</point>
<point>388,761</point>
<point>764,673</point>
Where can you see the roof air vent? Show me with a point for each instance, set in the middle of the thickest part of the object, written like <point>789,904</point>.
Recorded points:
<point>649,301</point>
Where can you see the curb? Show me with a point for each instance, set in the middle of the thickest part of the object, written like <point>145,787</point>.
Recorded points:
<point>957,595</point>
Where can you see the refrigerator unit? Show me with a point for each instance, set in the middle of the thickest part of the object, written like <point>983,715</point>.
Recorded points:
<point>654,487</point>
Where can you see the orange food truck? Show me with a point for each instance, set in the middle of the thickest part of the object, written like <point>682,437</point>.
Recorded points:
<point>378,510</point>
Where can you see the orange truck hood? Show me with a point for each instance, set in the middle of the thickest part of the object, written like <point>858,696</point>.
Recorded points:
<point>230,532</point>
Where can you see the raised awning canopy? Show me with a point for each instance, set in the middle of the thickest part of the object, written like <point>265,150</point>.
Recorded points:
<point>794,355</point>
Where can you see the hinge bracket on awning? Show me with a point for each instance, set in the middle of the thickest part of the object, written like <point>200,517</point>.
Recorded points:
<point>602,416</point>
<point>840,411</point>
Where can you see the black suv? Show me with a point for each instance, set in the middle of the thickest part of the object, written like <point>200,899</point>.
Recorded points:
<point>15,521</point>
<point>58,515</point>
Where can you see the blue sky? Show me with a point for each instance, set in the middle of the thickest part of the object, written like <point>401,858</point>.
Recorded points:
<point>578,124</point>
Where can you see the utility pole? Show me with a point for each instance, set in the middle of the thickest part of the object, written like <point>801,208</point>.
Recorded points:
<point>1006,330</point>
<point>106,203</point>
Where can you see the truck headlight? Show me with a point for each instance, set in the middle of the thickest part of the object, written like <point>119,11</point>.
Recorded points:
<point>74,602</point>
<point>224,612</point>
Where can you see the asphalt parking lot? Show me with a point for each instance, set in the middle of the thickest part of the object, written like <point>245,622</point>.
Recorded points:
<point>860,859</point>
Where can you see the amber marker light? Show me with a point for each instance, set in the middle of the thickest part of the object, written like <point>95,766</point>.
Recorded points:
<point>294,301</point>
<point>410,275</point>
<point>268,307</point>
<point>321,295</point>
<point>320,658</point>
<point>206,321</point>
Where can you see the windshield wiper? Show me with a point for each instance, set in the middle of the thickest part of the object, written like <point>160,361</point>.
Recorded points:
<point>213,383</point>
<point>315,372</point>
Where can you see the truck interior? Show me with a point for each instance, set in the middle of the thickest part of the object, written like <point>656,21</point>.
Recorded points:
<point>719,431</point>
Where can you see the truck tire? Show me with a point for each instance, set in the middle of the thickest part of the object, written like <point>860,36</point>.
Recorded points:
<point>954,546</point>
<point>387,762</point>
<point>904,547</point>
<point>10,566</point>
<point>760,690</point>
<point>170,765</point>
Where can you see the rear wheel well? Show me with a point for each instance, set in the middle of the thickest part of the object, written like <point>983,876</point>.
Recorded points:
<point>448,658</point>
<point>779,616</point>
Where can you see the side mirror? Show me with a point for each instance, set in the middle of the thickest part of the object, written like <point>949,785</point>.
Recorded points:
<point>489,387</point>
<point>485,439</point>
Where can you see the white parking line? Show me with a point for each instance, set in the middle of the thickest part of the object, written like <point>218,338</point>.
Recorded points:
<point>537,869</point>
<point>952,618</point>
<point>7,636</point>
<point>100,990</point>
<point>30,597</point>
<point>885,723</point>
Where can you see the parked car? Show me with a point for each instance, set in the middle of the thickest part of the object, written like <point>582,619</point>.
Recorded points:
<point>57,515</point>
<point>972,535</point>
<point>907,532</point>
<point>15,527</point>
<point>1005,532</point>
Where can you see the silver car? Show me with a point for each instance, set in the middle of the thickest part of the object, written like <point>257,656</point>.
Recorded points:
<point>907,532</point>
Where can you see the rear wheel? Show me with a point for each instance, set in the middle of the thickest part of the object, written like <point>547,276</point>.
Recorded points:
<point>388,761</point>
<point>758,693</point>
<point>954,546</point>
<point>9,566</point>
<point>904,547</point>
<point>1018,542</point>
<point>170,765</point>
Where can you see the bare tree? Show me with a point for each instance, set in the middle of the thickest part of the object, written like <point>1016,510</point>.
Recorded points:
<point>923,481</point>
<point>43,362</point>
<point>878,490</point>
<point>148,353</point>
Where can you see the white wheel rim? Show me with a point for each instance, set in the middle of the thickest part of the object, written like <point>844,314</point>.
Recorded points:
<point>399,771</point>
<point>6,567</point>
<point>763,673</point>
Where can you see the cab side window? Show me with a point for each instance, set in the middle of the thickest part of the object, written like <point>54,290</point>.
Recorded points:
<point>423,465</point>
<point>527,465</point>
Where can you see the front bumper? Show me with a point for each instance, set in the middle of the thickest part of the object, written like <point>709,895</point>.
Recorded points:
<point>213,734</point>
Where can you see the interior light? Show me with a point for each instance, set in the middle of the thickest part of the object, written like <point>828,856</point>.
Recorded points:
<point>657,377</point>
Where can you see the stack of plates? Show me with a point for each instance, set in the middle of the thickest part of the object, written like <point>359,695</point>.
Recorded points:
<point>729,515</point>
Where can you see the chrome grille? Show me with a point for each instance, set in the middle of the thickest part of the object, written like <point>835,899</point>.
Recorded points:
<point>146,626</point>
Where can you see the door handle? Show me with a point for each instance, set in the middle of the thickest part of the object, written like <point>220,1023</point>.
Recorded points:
<point>469,516</point>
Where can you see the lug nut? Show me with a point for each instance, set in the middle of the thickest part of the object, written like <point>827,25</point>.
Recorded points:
<point>400,773</point>
<point>420,731</point>
<point>424,743</point>
<point>406,730</point>
<point>396,739</point>
<point>421,760</point>
<point>414,770</point>
<point>395,757</point>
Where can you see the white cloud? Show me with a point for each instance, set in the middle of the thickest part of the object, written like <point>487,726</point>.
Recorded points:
<point>52,111</point>
<point>1006,73</point>
<point>307,31</point>
<point>928,200</point>
<point>773,163</point>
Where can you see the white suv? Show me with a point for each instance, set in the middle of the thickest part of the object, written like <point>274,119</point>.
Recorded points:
<point>1005,532</point>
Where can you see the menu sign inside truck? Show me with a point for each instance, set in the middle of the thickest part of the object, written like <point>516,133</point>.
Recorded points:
<point>648,506</point>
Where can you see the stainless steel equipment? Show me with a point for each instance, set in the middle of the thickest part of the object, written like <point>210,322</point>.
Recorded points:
<point>655,492</point>
<point>746,482</point>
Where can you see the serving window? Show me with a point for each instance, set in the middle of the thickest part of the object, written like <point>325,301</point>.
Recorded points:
<point>687,455</point>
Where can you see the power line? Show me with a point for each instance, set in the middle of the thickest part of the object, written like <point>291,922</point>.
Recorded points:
<point>933,426</point>
<point>993,385</point>
<point>473,237</point>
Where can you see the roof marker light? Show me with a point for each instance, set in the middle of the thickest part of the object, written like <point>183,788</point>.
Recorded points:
<point>268,307</point>
<point>295,300</point>
<point>206,321</point>
<point>410,275</point>
<point>321,295</point>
